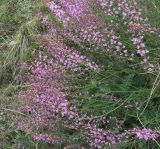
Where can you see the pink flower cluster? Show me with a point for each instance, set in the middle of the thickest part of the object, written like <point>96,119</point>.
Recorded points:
<point>132,17</point>
<point>70,58</point>
<point>56,9</point>
<point>44,92</point>
<point>70,11</point>
<point>94,33</point>
<point>45,138</point>
<point>145,134</point>
<point>47,103</point>
<point>75,9</point>
<point>99,138</point>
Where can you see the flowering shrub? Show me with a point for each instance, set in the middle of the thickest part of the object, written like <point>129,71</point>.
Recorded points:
<point>89,80</point>
<point>96,33</point>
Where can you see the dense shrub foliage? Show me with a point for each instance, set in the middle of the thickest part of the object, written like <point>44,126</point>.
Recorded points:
<point>85,74</point>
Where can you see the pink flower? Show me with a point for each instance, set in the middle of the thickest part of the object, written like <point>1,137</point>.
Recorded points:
<point>146,134</point>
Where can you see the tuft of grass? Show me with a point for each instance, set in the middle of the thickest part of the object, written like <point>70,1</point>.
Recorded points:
<point>16,46</point>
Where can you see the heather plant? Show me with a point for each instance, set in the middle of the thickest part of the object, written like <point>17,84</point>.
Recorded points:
<point>89,76</point>
<point>95,36</point>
